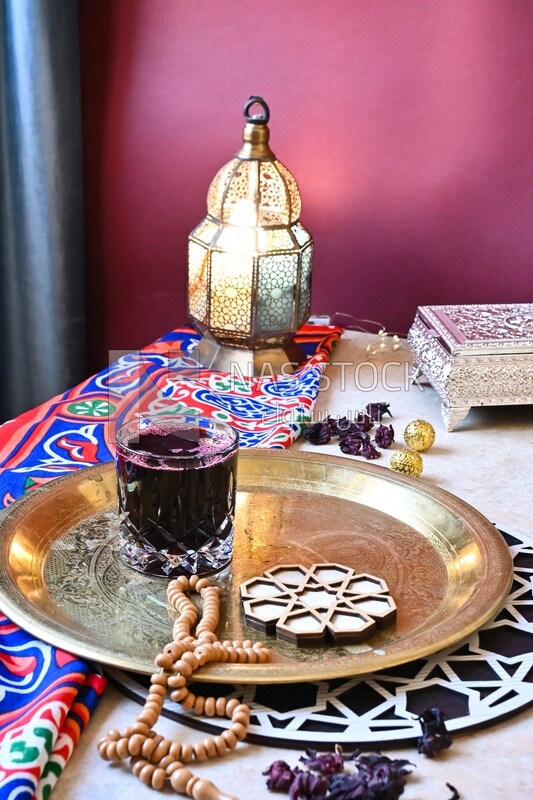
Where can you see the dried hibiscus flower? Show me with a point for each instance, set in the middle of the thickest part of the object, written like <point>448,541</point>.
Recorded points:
<point>372,777</point>
<point>351,445</point>
<point>376,411</point>
<point>364,421</point>
<point>307,786</point>
<point>280,776</point>
<point>343,426</point>
<point>363,426</point>
<point>369,451</point>
<point>353,435</point>
<point>377,777</point>
<point>348,787</point>
<point>317,433</point>
<point>435,736</point>
<point>323,763</point>
<point>385,777</point>
<point>384,436</point>
<point>339,425</point>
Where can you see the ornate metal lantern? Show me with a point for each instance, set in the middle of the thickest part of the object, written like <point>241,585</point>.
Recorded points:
<point>250,258</point>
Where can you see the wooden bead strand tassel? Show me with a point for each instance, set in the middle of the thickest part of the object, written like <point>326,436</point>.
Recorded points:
<point>158,761</point>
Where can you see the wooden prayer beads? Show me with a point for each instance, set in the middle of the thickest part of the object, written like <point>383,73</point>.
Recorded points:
<point>158,761</point>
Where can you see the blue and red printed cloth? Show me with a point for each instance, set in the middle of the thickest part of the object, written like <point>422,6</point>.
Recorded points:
<point>47,696</point>
<point>76,429</point>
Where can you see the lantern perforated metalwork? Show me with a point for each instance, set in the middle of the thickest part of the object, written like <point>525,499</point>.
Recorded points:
<point>250,258</point>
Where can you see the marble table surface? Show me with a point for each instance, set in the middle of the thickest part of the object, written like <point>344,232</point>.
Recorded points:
<point>488,462</point>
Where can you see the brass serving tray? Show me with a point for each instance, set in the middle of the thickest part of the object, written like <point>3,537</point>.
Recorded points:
<point>447,567</point>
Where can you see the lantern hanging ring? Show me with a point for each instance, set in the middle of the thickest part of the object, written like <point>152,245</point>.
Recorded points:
<point>255,118</point>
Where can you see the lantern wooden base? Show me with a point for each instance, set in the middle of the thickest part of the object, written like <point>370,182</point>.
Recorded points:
<point>248,363</point>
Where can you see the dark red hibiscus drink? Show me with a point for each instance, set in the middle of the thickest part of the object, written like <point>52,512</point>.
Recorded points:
<point>176,489</point>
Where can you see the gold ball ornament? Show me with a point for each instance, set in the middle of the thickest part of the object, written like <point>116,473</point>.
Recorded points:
<point>419,435</point>
<point>408,462</point>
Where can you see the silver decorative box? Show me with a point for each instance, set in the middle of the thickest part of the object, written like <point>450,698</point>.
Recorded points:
<point>474,355</point>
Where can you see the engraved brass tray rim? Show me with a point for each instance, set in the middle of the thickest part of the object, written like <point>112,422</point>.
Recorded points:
<point>487,597</point>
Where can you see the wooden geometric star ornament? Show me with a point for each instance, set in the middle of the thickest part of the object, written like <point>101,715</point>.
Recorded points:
<point>315,606</point>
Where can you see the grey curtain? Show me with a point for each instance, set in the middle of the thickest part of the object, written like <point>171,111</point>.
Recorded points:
<point>42,304</point>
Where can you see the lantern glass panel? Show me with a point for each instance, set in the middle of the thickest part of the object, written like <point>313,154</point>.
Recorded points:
<point>218,187</point>
<point>269,239</point>
<point>205,231</point>
<point>277,277</point>
<point>238,240</point>
<point>292,188</point>
<point>198,260</point>
<point>305,285</point>
<point>274,208</point>
<point>231,292</point>
<point>302,236</point>
<point>239,206</point>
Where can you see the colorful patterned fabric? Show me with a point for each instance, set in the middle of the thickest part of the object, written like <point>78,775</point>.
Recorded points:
<point>76,429</point>
<point>47,696</point>
<point>46,699</point>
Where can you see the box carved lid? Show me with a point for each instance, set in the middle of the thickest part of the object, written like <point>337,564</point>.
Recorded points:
<point>481,329</point>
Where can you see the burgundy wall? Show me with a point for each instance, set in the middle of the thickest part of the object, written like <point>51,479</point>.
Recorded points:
<point>408,125</point>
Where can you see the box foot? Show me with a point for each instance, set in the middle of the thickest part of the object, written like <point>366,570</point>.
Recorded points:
<point>452,416</point>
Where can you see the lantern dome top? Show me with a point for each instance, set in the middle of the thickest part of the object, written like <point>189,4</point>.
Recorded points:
<point>254,188</point>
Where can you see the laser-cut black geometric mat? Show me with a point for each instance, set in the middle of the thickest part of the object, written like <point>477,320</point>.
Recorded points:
<point>483,679</point>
